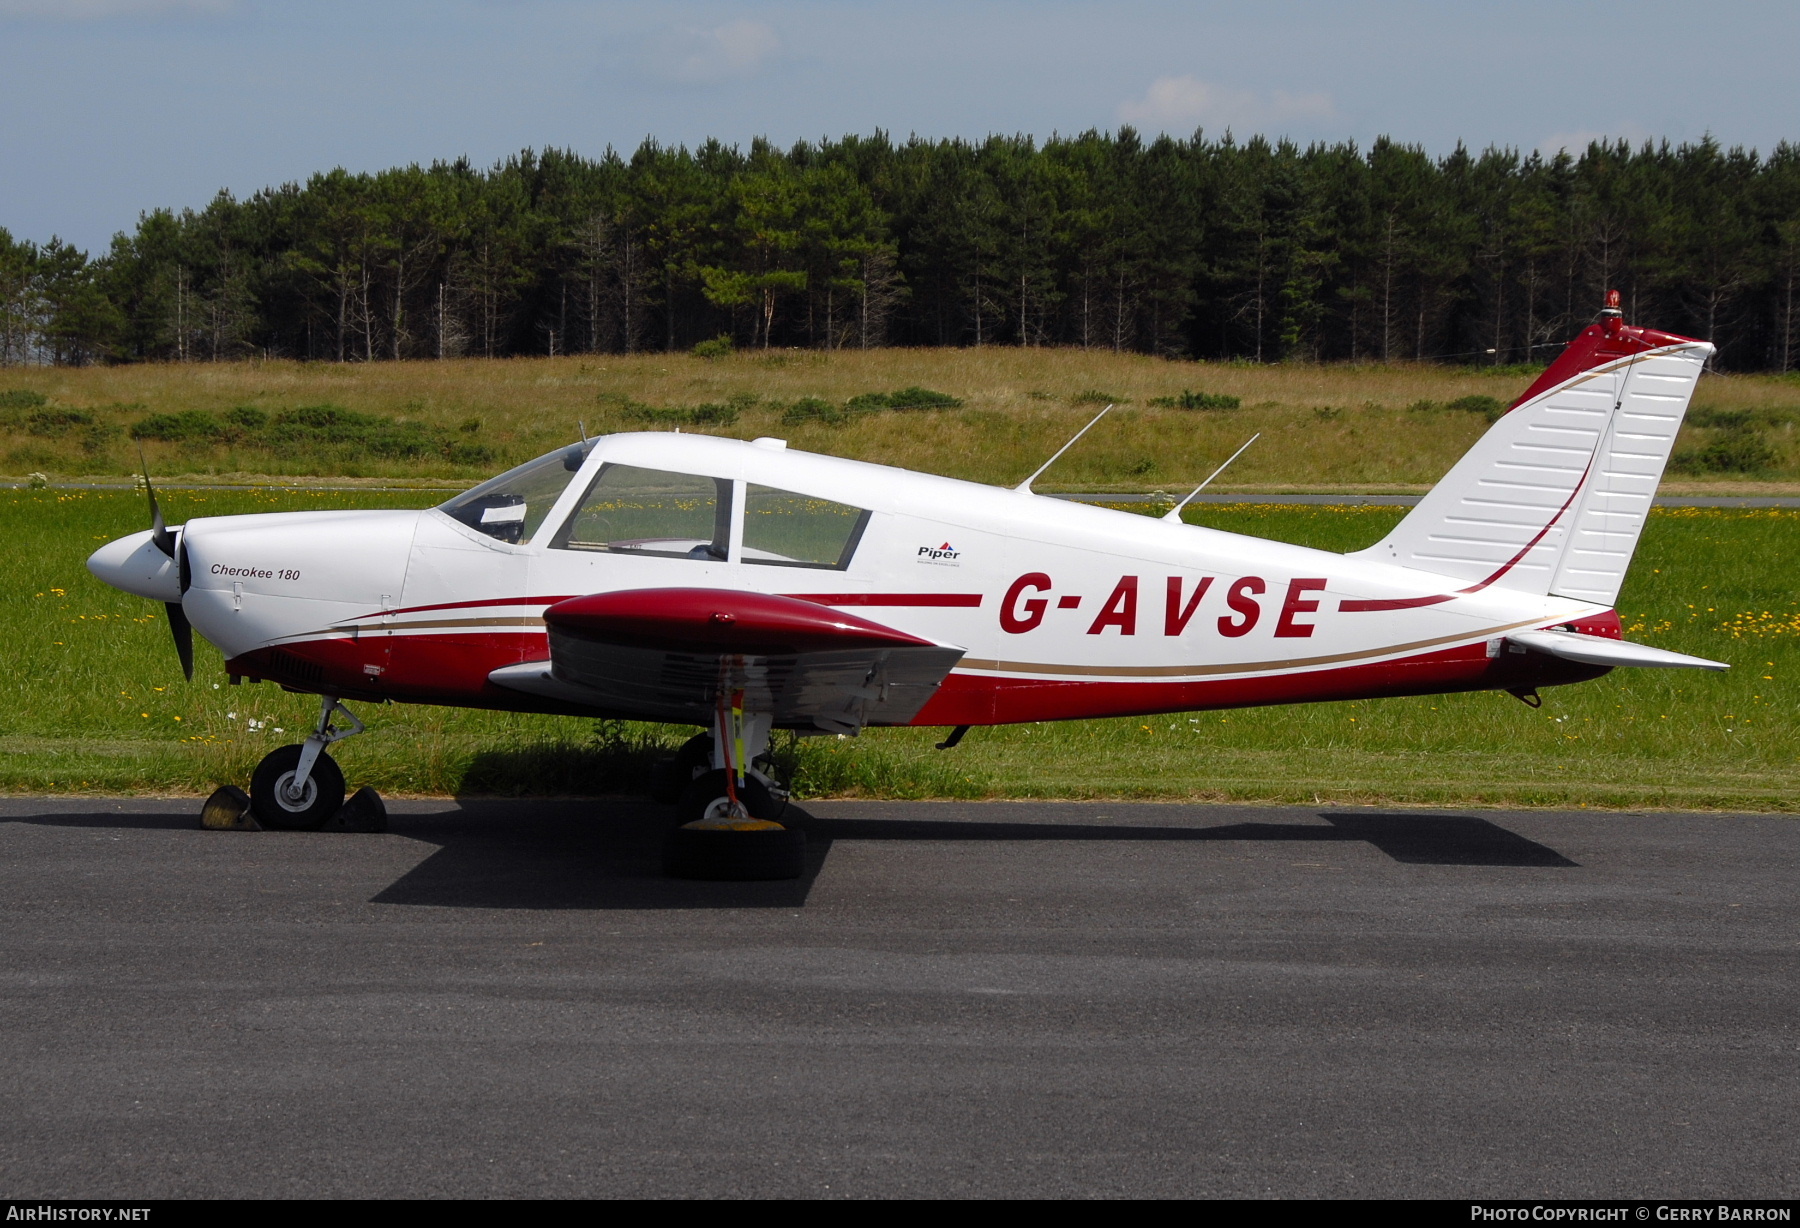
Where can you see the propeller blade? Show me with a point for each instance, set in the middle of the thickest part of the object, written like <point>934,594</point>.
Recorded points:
<point>183,631</point>
<point>159,532</point>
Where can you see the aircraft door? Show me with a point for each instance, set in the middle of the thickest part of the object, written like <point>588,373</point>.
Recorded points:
<point>641,528</point>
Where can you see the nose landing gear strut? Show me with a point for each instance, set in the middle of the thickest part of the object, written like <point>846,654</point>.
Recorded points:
<point>301,788</point>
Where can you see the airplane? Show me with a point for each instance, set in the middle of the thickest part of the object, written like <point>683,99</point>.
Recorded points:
<point>745,587</point>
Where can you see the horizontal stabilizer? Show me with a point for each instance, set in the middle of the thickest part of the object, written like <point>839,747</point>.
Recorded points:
<point>1595,650</point>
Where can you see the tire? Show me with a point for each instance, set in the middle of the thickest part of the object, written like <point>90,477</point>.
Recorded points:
<point>709,787</point>
<point>324,791</point>
<point>671,777</point>
<point>735,856</point>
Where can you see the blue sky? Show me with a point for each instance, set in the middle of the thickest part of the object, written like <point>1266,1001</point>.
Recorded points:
<point>108,107</point>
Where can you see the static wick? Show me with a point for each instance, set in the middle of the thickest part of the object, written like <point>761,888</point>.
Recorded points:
<point>1174,514</point>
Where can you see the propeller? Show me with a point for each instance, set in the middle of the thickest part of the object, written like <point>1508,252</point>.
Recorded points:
<point>165,541</point>
<point>183,631</point>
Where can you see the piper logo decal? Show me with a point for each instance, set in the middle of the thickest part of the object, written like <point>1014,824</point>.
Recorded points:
<point>939,556</point>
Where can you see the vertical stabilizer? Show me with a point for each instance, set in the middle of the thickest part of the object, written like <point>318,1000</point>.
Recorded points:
<point>1552,499</point>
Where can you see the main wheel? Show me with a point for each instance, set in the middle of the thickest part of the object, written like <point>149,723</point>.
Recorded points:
<point>318,801</point>
<point>705,798</point>
<point>671,777</point>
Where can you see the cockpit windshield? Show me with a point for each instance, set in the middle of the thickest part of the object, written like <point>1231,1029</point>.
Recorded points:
<point>512,506</point>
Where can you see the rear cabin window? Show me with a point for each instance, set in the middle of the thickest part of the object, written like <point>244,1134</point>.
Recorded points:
<point>784,529</point>
<point>652,512</point>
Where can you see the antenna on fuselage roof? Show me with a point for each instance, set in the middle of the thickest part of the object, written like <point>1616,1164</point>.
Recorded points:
<point>582,427</point>
<point>1025,486</point>
<point>1174,514</point>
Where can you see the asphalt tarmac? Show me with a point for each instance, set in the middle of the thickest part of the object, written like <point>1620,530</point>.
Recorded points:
<point>1020,999</point>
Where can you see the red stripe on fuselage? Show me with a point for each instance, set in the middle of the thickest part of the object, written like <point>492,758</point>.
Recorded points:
<point>953,600</point>
<point>453,670</point>
<point>465,605</point>
<point>968,601</point>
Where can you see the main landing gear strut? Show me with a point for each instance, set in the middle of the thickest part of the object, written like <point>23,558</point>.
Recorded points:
<point>728,805</point>
<point>300,787</point>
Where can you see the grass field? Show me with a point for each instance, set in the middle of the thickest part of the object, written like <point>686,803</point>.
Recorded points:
<point>1324,427</point>
<point>97,702</point>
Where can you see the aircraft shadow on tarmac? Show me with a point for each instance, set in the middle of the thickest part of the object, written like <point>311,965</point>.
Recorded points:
<point>606,854</point>
<point>533,855</point>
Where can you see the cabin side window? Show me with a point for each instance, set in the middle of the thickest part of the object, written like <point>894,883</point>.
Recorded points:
<point>652,512</point>
<point>785,529</point>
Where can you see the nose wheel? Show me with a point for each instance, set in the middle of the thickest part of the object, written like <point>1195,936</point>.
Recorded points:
<point>301,788</point>
<point>285,802</point>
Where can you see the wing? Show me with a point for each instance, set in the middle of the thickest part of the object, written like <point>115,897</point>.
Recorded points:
<point>666,653</point>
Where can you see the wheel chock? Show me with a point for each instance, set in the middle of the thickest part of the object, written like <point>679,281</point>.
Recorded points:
<point>735,850</point>
<point>228,809</point>
<point>365,811</point>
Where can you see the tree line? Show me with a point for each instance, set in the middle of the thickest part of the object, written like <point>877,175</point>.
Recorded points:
<point>1261,251</point>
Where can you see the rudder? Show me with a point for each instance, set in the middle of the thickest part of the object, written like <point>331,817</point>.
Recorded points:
<point>1553,498</point>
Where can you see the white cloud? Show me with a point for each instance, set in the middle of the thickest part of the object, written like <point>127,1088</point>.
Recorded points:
<point>95,10</point>
<point>735,49</point>
<point>1181,104</point>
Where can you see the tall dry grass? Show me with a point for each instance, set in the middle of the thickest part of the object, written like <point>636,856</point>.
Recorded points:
<point>1324,427</point>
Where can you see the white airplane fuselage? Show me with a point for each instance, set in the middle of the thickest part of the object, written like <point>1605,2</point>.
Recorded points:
<point>1063,610</point>
<point>1059,610</point>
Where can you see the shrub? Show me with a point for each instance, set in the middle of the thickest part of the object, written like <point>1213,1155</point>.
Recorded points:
<point>308,428</point>
<point>1730,419</point>
<point>1488,407</point>
<point>697,415</point>
<point>1737,450</point>
<point>814,409</point>
<point>55,423</point>
<point>713,414</point>
<point>184,427</point>
<point>718,347</point>
<point>471,454</point>
<point>1094,396</point>
<point>97,440</point>
<point>1197,400</point>
<point>333,428</point>
<point>21,398</point>
<point>904,398</point>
